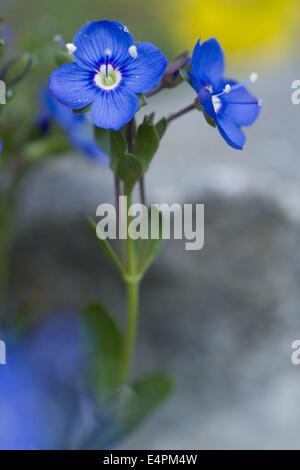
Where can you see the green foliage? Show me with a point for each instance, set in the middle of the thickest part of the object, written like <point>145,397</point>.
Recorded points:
<point>146,144</point>
<point>129,170</point>
<point>117,149</point>
<point>136,402</point>
<point>161,127</point>
<point>102,137</point>
<point>103,343</point>
<point>142,99</point>
<point>153,245</point>
<point>185,76</point>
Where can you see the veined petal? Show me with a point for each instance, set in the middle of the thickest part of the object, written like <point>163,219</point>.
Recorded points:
<point>208,63</point>
<point>98,37</point>
<point>241,105</point>
<point>143,73</point>
<point>114,109</point>
<point>73,86</point>
<point>231,133</point>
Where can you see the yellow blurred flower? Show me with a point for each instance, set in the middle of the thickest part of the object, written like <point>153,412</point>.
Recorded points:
<point>258,26</point>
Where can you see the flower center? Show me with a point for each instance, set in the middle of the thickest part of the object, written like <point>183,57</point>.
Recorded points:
<point>107,78</point>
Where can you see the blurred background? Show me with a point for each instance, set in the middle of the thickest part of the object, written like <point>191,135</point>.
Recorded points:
<point>221,320</point>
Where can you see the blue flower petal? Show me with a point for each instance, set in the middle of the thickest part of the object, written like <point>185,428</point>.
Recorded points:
<point>231,133</point>
<point>0,145</point>
<point>95,38</point>
<point>143,73</point>
<point>208,63</point>
<point>205,99</point>
<point>240,105</point>
<point>112,110</point>
<point>73,86</point>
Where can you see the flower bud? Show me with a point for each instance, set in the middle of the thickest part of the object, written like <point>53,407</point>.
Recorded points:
<point>16,69</point>
<point>171,77</point>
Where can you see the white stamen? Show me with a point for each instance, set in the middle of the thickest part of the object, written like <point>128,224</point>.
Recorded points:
<point>108,52</point>
<point>71,48</point>
<point>253,77</point>
<point>260,102</point>
<point>133,51</point>
<point>217,104</point>
<point>227,88</point>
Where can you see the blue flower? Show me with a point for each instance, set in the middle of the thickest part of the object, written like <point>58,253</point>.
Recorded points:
<point>44,401</point>
<point>226,101</point>
<point>109,70</point>
<point>78,127</point>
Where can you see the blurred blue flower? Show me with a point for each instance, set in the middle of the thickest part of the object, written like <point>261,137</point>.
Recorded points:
<point>108,72</point>
<point>228,102</point>
<point>44,403</point>
<point>78,127</point>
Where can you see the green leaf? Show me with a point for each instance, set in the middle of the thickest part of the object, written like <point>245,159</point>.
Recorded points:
<point>83,110</point>
<point>41,148</point>
<point>147,143</point>
<point>117,148</point>
<point>102,137</point>
<point>63,57</point>
<point>161,127</point>
<point>103,344</point>
<point>209,119</point>
<point>149,118</point>
<point>106,246</point>
<point>136,402</point>
<point>154,245</point>
<point>185,76</point>
<point>129,170</point>
<point>16,69</point>
<point>142,99</point>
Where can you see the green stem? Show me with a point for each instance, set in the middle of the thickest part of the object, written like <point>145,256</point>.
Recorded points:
<point>133,282</point>
<point>130,333</point>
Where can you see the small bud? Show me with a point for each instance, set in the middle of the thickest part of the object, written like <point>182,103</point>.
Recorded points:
<point>16,69</point>
<point>2,47</point>
<point>71,48</point>
<point>171,76</point>
<point>133,52</point>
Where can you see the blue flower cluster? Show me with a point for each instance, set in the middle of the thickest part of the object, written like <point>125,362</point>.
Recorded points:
<point>109,70</point>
